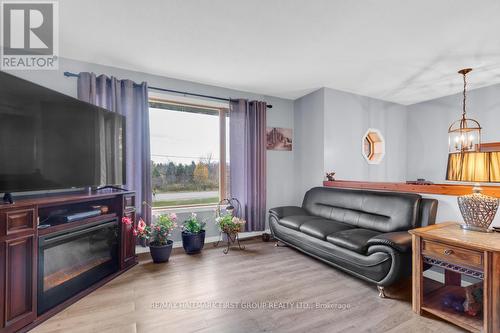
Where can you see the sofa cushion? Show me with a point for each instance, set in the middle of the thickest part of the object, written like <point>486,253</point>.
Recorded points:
<point>352,239</point>
<point>374,267</point>
<point>294,222</point>
<point>375,210</point>
<point>320,228</point>
<point>281,212</point>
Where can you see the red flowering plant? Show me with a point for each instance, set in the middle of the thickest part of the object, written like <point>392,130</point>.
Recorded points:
<point>157,234</point>
<point>126,220</point>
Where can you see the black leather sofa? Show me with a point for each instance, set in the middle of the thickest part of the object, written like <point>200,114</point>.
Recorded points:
<point>362,232</point>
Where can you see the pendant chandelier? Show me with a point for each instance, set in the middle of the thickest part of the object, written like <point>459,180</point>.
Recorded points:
<point>464,135</point>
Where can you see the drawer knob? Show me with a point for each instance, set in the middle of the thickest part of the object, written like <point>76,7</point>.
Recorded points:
<point>448,252</point>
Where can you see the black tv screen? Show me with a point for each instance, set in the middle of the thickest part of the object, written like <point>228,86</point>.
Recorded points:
<point>49,140</point>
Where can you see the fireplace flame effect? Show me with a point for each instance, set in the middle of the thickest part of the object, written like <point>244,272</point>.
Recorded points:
<point>57,278</point>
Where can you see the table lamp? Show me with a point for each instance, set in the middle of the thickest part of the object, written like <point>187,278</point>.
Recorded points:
<point>478,210</point>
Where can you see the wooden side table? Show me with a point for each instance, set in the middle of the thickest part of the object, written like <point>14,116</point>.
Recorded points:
<point>459,252</point>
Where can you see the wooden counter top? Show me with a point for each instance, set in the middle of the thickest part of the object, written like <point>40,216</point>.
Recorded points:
<point>443,189</point>
<point>450,232</point>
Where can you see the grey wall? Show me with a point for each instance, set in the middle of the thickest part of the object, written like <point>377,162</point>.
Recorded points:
<point>280,185</point>
<point>428,124</point>
<point>279,164</point>
<point>329,126</point>
<point>347,118</point>
<point>308,143</point>
<point>427,143</point>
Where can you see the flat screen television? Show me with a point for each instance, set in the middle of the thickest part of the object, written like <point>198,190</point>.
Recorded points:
<point>51,141</point>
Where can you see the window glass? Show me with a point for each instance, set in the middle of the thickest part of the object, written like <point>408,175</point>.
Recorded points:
<point>185,155</point>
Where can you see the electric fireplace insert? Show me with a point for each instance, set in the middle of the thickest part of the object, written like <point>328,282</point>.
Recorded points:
<point>72,260</point>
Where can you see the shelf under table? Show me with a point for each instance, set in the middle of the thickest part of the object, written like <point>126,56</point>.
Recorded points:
<point>432,304</point>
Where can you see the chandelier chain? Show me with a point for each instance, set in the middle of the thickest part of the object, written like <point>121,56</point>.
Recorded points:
<point>465,95</point>
<point>464,134</point>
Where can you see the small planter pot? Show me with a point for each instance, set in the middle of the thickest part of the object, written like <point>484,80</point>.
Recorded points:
<point>193,243</point>
<point>161,253</point>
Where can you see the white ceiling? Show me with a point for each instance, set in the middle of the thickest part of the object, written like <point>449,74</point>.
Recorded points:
<point>401,51</point>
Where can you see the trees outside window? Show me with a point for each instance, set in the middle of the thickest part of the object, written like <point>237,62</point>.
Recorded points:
<point>187,145</point>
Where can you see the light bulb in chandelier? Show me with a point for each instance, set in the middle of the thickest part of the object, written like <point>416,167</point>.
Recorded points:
<point>464,135</point>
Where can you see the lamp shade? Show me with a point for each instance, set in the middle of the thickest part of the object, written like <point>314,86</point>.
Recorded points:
<point>474,167</point>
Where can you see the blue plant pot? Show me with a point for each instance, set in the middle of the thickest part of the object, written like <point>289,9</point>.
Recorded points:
<point>161,253</point>
<point>193,243</point>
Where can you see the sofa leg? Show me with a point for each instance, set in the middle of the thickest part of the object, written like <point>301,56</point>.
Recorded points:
<point>381,292</point>
<point>279,244</point>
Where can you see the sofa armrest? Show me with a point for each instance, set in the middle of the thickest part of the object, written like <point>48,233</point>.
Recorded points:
<point>280,212</point>
<point>400,241</point>
<point>428,211</point>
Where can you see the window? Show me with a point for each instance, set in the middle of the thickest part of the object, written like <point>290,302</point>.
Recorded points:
<point>189,153</point>
<point>373,146</point>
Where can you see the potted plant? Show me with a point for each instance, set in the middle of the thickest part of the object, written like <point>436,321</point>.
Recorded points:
<point>229,227</point>
<point>193,235</point>
<point>157,235</point>
<point>230,224</point>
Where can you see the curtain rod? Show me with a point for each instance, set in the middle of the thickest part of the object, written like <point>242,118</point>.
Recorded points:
<point>69,74</point>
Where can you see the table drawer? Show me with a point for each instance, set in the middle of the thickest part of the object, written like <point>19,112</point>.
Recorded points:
<point>452,254</point>
<point>17,220</point>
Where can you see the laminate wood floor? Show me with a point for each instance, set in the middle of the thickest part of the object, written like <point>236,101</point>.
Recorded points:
<point>213,292</point>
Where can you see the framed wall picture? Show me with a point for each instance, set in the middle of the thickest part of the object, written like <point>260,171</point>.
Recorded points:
<point>279,138</point>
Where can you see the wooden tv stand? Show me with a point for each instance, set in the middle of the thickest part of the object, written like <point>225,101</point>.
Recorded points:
<point>19,234</point>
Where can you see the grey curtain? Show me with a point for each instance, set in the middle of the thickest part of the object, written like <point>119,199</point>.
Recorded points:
<point>247,127</point>
<point>131,100</point>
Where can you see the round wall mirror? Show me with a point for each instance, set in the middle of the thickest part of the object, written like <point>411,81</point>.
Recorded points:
<point>373,146</point>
